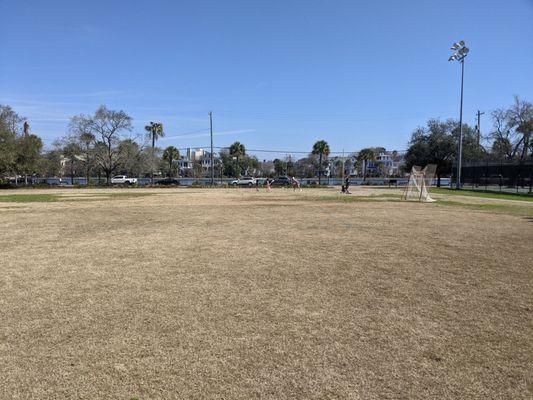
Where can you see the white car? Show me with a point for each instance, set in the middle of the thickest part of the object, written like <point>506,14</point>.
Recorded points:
<point>123,180</point>
<point>244,181</point>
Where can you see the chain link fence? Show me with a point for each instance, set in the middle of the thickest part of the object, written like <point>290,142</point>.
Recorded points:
<point>501,176</point>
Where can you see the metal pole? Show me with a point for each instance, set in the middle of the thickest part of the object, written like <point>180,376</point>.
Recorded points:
<point>479,114</point>
<point>211,155</point>
<point>342,176</point>
<point>460,156</point>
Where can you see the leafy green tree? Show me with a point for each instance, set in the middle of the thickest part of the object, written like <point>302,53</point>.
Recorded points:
<point>280,167</point>
<point>364,157</point>
<point>10,123</point>
<point>155,131</point>
<point>237,150</point>
<point>170,155</point>
<point>28,154</point>
<point>50,163</point>
<point>321,148</point>
<point>249,165</point>
<point>437,143</point>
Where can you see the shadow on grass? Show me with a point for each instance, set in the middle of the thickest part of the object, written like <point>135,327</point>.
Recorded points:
<point>486,194</point>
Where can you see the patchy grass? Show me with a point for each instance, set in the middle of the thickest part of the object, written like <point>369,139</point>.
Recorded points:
<point>49,197</point>
<point>510,209</point>
<point>483,194</point>
<point>342,198</point>
<point>245,295</point>
<point>29,198</point>
<point>498,208</point>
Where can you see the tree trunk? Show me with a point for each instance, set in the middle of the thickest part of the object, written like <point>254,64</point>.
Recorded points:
<point>72,173</point>
<point>320,169</point>
<point>87,177</point>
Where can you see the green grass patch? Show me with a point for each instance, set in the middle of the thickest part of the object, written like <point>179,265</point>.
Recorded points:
<point>29,198</point>
<point>50,197</point>
<point>483,194</point>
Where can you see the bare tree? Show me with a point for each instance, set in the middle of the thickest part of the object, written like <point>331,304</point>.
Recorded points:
<point>512,130</point>
<point>107,127</point>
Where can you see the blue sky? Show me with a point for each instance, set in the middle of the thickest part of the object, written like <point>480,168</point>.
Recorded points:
<point>277,74</point>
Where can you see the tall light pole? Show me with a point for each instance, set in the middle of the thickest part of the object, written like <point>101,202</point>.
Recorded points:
<point>461,52</point>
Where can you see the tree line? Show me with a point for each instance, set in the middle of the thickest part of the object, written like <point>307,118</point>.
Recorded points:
<point>102,145</point>
<point>509,139</point>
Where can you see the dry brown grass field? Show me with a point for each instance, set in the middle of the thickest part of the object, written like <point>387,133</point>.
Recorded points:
<point>234,294</point>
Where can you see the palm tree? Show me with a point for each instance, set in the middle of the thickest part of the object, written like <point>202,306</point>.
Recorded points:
<point>322,149</point>
<point>155,131</point>
<point>364,156</point>
<point>237,150</point>
<point>169,155</point>
<point>87,138</point>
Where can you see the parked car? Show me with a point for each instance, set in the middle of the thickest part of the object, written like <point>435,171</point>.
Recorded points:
<point>167,182</point>
<point>123,180</point>
<point>244,181</point>
<point>281,181</point>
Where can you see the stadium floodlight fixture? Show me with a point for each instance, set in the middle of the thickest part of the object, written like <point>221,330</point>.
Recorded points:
<point>461,51</point>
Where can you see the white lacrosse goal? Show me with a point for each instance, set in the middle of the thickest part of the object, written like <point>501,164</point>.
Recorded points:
<point>419,182</point>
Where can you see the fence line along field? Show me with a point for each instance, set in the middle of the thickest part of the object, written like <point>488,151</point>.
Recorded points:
<point>198,293</point>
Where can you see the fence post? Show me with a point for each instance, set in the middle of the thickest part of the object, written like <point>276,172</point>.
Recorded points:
<point>486,174</point>
<point>530,178</point>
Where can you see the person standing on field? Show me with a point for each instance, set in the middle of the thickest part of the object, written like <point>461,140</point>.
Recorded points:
<point>295,183</point>
<point>267,184</point>
<point>346,185</point>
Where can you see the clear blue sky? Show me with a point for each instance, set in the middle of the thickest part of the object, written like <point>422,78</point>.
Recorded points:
<point>278,74</point>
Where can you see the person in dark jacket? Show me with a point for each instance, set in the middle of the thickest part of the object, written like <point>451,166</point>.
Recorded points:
<point>347,185</point>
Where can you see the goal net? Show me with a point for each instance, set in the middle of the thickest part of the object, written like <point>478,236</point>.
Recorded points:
<point>419,182</point>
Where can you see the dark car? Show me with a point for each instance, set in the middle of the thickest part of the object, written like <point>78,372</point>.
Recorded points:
<point>281,181</point>
<point>167,182</point>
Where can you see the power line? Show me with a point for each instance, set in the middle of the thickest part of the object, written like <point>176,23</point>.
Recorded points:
<point>276,151</point>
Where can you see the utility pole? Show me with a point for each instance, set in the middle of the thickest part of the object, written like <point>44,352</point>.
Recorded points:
<point>342,173</point>
<point>211,155</point>
<point>479,114</point>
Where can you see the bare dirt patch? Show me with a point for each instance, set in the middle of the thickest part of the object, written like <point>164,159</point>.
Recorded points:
<point>190,293</point>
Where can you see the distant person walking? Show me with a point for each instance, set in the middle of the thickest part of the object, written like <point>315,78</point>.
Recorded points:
<point>295,183</point>
<point>256,184</point>
<point>267,185</point>
<point>347,185</point>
